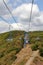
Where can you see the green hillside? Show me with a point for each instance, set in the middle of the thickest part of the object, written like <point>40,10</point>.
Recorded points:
<point>9,49</point>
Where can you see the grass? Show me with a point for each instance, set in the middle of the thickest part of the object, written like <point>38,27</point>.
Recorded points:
<point>8,50</point>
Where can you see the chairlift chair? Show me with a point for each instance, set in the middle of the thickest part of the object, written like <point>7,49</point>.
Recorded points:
<point>10,37</point>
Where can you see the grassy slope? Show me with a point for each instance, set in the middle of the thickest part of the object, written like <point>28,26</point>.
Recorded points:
<point>8,50</point>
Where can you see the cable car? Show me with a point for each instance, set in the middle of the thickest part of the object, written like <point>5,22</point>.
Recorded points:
<point>10,37</point>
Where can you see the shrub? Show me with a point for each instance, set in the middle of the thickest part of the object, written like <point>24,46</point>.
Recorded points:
<point>17,50</point>
<point>34,47</point>
<point>41,51</point>
<point>10,49</point>
<point>1,54</point>
<point>13,57</point>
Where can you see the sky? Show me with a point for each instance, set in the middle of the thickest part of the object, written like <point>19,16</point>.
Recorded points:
<point>21,12</point>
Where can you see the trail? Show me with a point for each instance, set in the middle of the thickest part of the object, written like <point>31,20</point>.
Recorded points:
<point>23,54</point>
<point>27,54</point>
<point>35,53</point>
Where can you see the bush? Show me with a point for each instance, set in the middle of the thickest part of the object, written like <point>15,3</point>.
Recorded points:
<point>13,57</point>
<point>1,54</point>
<point>41,51</point>
<point>10,49</point>
<point>17,50</point>
<point>34,47</point>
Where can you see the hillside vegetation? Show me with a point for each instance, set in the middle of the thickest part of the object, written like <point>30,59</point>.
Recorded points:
<point>9,49</point>
<point>36,38</point>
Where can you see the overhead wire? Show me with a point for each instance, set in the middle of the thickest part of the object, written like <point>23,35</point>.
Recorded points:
<point>10,34</point>
<point>30,17</point>
<point>10,13</point>
<point>6,22</point>
<point>31,13</point>
<point>13,16</point>
<point>4,19</point>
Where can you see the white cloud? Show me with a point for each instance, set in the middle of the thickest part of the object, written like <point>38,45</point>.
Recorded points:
<point>23,14</point>
<point>26,8</point>
<point>23,11</point>
<point>1,1</point>
<point>3,10</point>
<point>5,27</point>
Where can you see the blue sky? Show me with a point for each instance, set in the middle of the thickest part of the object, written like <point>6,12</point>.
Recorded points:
<point>19,2</point>
<point>40,4</point>
<point>21,12</point>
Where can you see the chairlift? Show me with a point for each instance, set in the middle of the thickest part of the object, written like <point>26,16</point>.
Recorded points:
<point>10,38</point>
<point>25,34</point>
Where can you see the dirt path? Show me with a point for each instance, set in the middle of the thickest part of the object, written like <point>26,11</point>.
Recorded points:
<point>25,52</point>
<point>35,53</point>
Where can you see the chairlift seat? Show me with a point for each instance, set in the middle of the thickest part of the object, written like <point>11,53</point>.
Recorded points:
<point>9,39</point>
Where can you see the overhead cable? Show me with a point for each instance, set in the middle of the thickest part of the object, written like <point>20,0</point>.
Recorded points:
<point>31,13</point>
<point>6,22</point>
<point>10,12</point>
